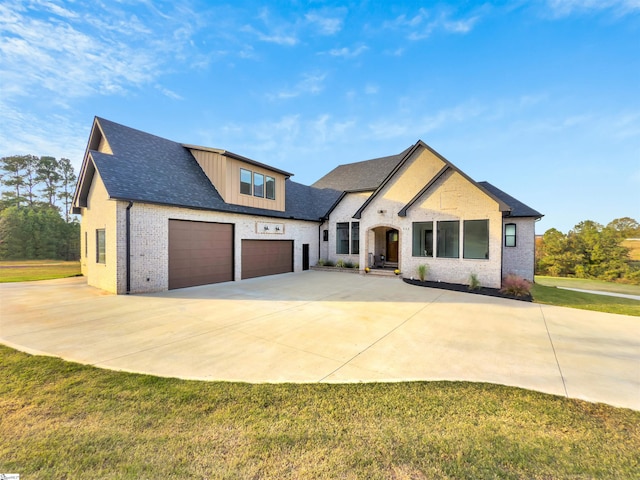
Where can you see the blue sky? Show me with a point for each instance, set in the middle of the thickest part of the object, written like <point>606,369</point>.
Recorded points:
<point>540,98</point>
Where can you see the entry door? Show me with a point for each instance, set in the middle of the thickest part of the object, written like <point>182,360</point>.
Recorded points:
<point>392,246</point>
<point>305,256</point>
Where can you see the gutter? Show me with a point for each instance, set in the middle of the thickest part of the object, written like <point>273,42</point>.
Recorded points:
<point>128,243</point>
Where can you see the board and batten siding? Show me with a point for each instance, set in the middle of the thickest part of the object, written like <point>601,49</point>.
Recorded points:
<point>224,173</point>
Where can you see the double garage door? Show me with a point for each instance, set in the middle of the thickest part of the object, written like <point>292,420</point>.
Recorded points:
<point>201,253</point>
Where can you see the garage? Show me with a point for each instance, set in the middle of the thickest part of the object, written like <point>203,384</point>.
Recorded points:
<point>266,257</point>
<point>200,253</point>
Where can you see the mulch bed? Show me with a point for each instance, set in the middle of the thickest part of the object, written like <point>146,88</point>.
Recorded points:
<point>457,287</point>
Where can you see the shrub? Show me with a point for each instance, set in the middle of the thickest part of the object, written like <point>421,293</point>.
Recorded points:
<point>356,266</point>
<point>516,286</point>
<point>320,263</point>
<point>328,263</point>
<point>340,263</point>
<point>422,272</point>
<point>474,283</point>
<point>347,264</point>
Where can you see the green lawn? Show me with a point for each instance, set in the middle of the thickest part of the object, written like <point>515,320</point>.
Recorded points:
<point>30,270</point>
<point>64,420</point>
<point>588,284</point>
<point>545,291</point>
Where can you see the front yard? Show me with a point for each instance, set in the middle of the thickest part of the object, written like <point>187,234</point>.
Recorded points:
<point>64,420</point>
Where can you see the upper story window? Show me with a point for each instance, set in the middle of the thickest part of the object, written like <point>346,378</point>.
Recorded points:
<point>510,235</point>
<point>258,185</point>
<point>270,188</point>
<point>245,181</point>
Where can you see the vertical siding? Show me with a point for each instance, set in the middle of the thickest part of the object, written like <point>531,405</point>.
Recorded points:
<point>233,184</point>
<point>214,166</point>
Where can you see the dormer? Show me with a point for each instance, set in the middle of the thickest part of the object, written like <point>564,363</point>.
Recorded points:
<point>240,180</point>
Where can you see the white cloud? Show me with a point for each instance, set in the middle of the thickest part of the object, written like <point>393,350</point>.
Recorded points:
<point>562,8</point>
<point>426,22</point>
<point>328,22</point>
<point>348,52</point>
<point>56,135</point>
<point>311,84</point>
<point>274,30</point>
<point>73,54</point>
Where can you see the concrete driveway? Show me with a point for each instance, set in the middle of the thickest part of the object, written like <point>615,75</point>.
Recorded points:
<point>329,327</point>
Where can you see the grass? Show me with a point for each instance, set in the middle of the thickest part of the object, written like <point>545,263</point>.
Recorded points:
<point>30,270</point>
<point>588,284</point>
<point>584,301</point>
<point>65,420</point>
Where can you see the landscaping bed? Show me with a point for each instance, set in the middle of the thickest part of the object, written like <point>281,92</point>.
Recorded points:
<point>457,287</point>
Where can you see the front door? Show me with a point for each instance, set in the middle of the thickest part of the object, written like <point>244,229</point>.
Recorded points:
<point>392,246</point>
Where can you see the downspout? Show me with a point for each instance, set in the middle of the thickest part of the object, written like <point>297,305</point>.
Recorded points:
<point>128,242</point>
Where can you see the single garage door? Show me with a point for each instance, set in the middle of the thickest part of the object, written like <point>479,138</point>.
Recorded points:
<point>199,253</point>
<point>266,257</point>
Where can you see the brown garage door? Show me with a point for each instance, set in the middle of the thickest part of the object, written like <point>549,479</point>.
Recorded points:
<point>199,253</point>
<point>266,257</point>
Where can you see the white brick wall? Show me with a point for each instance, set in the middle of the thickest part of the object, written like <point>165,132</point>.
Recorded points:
<point>452,198</point>
<point>520,260</point>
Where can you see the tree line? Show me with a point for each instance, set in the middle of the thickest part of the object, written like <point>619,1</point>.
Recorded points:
<point>35,209</point>
<point>590,250</point>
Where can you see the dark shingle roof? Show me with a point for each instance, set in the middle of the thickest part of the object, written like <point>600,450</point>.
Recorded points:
<point>366,175</point>
<point>147,168</point>
<point>518,209</point>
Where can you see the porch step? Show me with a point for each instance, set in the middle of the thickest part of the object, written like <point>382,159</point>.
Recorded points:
<point>382,272</point>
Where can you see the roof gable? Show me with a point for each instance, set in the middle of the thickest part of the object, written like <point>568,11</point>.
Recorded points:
<point>151,169</point>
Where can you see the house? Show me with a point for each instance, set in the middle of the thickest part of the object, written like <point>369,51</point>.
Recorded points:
<point>160,215</point>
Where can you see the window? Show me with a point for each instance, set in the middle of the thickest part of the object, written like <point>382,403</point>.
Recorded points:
<point>448,239</point>
<point>245,181</point>
<point>355,237</point>
<point>342,238</point>
<point>510,235</point>
<point>270,188</point>
<point>258,185</point>
<point>423,239</point>
<point>100,246</point>
<point>476,239</point>
<point>325,235</point>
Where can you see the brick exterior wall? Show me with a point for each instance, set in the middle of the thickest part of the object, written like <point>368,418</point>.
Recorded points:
<point>103,216</point>
<point>520,260</point>
<point>150,240</point>
<point>452,197</point>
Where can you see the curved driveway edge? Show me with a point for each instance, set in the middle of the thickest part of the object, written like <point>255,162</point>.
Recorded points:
<point>329,327</point>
